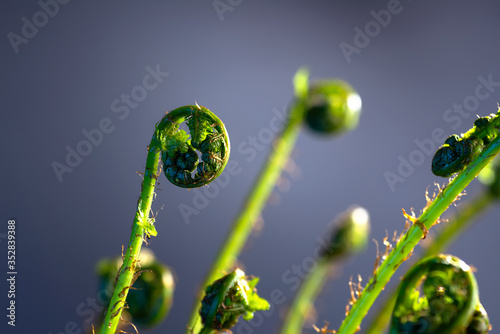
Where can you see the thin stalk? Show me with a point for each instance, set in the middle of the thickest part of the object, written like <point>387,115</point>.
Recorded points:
<point>256,199</point>
<point>128,268</point>
<point>404,248</point>
<point>304,300</point>
<point>443,239</point>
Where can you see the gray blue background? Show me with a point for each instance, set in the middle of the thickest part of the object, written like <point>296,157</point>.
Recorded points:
<point>66,77</point>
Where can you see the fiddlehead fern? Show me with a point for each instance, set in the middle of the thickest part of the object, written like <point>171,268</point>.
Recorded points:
<point>151,298</point>
<point>348,235</point>
<point>457,152</point>
<point>209,136</point>
<point>179,156</point>
<point>448,302</point>
<point>454,155</point>
<point>332,107</point>
<point>227,299</point>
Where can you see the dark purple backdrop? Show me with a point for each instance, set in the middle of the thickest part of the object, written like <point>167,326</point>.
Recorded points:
<point>70,71</point>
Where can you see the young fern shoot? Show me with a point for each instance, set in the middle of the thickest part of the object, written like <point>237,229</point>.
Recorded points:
<point>348,236</point>
<point>227,299</point>
<point>449,302</point>
<point>471,163</point>
<point>173,145</point>
<point>457,152</point>
<point>150,300</point>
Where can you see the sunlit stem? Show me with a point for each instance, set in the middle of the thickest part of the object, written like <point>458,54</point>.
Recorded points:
<point>257,197</point>
<point>407,243</point>
<point>128,268</point>
<point>444,237</point>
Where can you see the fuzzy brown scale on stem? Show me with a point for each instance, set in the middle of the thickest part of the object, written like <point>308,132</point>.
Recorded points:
<point>416,222</point>
<point>377,259</point>
<point>129,323</point>
<point>355,290</point>
<point>387,244</point>
<point>381,256</point>
<point>136,276</point>
<point>324,329</point>
<point>118,312</point>
<point>124,292</point>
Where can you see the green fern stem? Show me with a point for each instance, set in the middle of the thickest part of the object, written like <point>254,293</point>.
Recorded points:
<point>304,300</point>
<point>269,175</point>
<point>407,243</point>
<point>347,236</point>
<point>439,243</point>
<point>128,268</point>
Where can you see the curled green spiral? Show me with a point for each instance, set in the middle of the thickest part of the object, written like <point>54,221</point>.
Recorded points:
<point>457,152</point>
<point>227,299</point>
<point>439,294</point>
<point>332,107</point>
<point>151,298</point>
<point>455,155</point>
<point>195,159</point>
